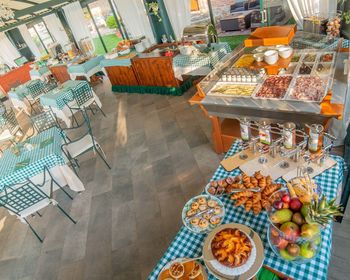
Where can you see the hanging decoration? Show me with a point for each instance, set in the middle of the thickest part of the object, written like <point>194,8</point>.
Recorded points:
<point>153,9</point>
<point>6,12</point>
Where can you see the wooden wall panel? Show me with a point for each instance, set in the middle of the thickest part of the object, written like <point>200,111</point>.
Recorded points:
<point>121,75</point>
<point>17,76</point>
<point>155,71</point>
<point>60,73</point>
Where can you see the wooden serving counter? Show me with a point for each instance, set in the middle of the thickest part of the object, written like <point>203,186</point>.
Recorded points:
<point>153,69</point>
<point>15,77</point>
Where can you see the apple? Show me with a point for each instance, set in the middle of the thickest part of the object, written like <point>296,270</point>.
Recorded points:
<point>285,198</point>
<point>278,205</point>
<point>295,204</point>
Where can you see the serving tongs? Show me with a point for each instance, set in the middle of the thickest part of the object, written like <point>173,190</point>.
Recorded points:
<point>209,211</point>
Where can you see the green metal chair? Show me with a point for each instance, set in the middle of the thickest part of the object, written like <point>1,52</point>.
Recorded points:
<point>9,127</point>
<point>83,144</point>
<point>36,89</point>
<point>25,199</point>
<point>84,97</point>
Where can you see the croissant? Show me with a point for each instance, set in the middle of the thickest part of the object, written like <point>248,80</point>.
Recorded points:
<point>254,181</point>
<point>265,204</point>
<point>256,198</point>
<point>271,188</point>
<point>240,201</point>
<point>248,205</point>
<point>257,208</point>
<point>242,194</point>
<point>258,175</point>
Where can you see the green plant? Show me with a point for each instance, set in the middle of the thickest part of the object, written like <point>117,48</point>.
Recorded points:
<point>153,9</point>
<point>346,17</point>
<point>111,22</point>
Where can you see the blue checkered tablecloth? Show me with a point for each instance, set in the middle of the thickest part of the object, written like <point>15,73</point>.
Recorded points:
<point>86,66</point>
<point>188,244</point>
<point>49,155</point>
<point>56,98</point>
<point>204,59</point>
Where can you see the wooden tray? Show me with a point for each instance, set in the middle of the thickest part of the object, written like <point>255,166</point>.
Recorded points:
<point>270,36</point>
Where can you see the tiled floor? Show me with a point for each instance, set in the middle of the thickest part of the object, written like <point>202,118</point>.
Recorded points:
<point>161,156</point>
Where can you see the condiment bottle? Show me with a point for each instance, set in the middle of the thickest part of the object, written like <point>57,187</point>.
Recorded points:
<point>288,133</point>
<point>315,137</point>
<point>245,129</point>
<point>265,133</point>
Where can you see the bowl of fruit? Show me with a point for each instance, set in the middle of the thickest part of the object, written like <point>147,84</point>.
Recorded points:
<point>297,216</point>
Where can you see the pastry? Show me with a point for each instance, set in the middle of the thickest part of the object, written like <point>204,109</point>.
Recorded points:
<point>203,207</point>
<point>203,223</point>
<point>195,205</point>
<point>195,221</point>
<point>215,220</point>
<point>207,216</point>
<point>217,210</point>
<point>196,271</point>
<point>177,270</point>
<point>191,212</point>
<point>212,203</point>
<point>202,200</point>
<point>231,247</point>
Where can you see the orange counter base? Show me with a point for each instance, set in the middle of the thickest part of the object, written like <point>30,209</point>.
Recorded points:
<point>15,77</point>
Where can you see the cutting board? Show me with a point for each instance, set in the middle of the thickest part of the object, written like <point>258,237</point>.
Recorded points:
<point>315,168</point>
<point>233,162</point>
<point>254,165</point>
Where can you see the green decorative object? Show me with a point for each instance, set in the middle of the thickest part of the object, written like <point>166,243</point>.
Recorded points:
<point>176,91</point>
<point>153,9</point>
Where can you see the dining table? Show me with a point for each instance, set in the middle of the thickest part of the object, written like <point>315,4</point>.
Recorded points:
<point>30,158</point>
<point>58,98</point>
<point>189,245</point>
<point>42,73</point>
<point>18,95</point>
<point>87,68</point>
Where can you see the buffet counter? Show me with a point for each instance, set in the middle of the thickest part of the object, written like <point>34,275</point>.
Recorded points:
<point>15,77</point>
<point>161,69</point>
<point>310,88</point>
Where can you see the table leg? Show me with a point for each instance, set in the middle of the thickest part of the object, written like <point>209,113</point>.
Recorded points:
<point>216,134</point>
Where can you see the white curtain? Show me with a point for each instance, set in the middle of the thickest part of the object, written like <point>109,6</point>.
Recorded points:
<point>179,13</point>
<point>305,8</point>
<point>23,29</point>
<point>56,29</point>
<point>8,52</point>
<point>135,19</point>
<point>75,18</point>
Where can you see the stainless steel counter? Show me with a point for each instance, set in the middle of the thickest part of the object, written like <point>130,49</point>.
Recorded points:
<point>278,110</point>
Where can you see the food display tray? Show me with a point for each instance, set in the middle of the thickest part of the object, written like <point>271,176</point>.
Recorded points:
<point>254,95</point>
<point>220,83</point>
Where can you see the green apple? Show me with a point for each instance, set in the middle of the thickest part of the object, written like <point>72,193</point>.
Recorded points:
<point>306,251</point>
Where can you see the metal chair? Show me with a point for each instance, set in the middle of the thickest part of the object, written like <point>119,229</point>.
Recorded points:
<point>83,144</point>
<point>9,127</point>
<point>84,97</point>
<point>35,90</point>
<point>45,121</point>
<point>25,199</point>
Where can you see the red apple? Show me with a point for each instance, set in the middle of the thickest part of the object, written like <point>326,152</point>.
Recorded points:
<point>285,198</point>
<point>295,204</point>
<point>278,205</point>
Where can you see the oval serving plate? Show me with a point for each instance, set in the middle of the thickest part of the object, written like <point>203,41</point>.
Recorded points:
<point>196,228</point>
<point>255,264</point>
<point>204,272</point>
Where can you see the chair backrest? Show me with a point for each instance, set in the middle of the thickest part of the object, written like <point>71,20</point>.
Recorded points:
<point>36,88</point>
<point>20,197</point>
<point>82,93</point>
<point>10,121</point>
<point>45,121</point>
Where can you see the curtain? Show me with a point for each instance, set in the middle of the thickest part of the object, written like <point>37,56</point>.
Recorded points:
<point>8,52</point>
<point>179,13</point>
<point>56,29</point>
<point>304,8</point>
<point>76,21</point>
<point>135,19</point>
<point>23,29</point>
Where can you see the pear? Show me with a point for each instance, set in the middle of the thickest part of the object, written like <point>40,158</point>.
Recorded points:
<point>281,216</point>
<point>306,251</point>
<point>310,231</point>
<point>285,255</point>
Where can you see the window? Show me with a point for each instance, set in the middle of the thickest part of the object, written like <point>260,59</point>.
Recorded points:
<point>41,36</point>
